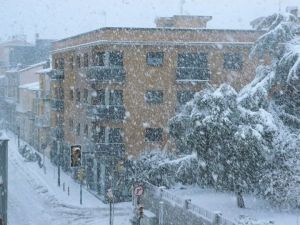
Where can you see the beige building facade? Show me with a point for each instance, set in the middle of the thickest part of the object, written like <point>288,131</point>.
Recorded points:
<point>114,89</point>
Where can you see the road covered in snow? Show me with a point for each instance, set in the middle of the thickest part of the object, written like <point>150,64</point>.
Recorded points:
<point>35,199</point>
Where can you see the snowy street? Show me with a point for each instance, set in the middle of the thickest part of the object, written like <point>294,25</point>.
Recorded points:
<point>35,199</point>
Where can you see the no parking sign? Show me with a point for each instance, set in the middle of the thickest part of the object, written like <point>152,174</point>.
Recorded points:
<point>138,191</point>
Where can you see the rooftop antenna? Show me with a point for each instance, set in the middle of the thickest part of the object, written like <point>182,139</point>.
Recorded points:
<point>181,6</point>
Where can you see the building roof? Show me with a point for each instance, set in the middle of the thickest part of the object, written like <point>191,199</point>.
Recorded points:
<point>156,36</point>
<point>35,86</point>
<point>44,71</point>
<point>15,43</point>
<point>33,66</point>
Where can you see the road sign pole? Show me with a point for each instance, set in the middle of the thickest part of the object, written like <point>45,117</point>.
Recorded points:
<point>80,191</point>
<point>58,164</point>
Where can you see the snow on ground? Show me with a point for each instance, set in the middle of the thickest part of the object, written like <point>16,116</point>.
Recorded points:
<point>225,203</point>
<point>35,199</point>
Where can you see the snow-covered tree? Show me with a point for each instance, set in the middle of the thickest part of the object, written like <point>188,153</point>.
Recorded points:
<point>228,140</point>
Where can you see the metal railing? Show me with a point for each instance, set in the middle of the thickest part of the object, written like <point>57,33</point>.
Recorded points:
<point>192,73</point>
<point>57,74</point>
<point>105,74</point>
<point>106,112</point>
<point>42,121</point>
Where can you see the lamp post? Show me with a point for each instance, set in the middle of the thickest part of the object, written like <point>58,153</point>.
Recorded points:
<point>58,164</point>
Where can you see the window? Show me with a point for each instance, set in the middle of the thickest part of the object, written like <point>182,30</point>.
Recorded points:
<point>115,135</point>
<point>155,58</point>
<point>56,64</point>
<point>116,58</point>
<point>85,95</point>
<point>59,93</point>
<point>153,134</point>
<point>98,133</point>
<point>154,97</point>
<point>71,124</point>
<point>77,95</point>
<point>116,97</point>
<point>99,59</point>
<point>192,59</point>
<point>78,129</point>
<point>85,60</point>
<point>233,61</point>
<point>61,64</point>
<point>78,61</point>
<point>99,98</point>
<point>192,66</point>
<point>71,63</point>
<point>86,130</point>
<point>71,95</point>
<point>184,96</point>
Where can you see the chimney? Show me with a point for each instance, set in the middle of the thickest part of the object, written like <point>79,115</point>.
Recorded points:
<point>292,10</point>
<point>184,22</point>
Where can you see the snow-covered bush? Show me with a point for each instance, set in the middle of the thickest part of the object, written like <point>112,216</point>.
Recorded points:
<point>164,169</point>
<point>246,220</point>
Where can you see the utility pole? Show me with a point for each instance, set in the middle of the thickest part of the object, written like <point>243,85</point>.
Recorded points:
<point>18,136</point>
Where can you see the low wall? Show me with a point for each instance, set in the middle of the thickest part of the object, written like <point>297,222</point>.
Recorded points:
<point>171,210</point>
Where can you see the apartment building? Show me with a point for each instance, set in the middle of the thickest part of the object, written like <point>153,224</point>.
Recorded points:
<point>114,89</point>
<point>42,112</point>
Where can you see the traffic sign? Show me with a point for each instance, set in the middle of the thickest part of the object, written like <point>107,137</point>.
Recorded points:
<point>138,191</point>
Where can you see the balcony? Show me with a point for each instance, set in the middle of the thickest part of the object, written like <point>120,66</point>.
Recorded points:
<point>106,112</point>
<point>44,95</point>
<point>57,105</point>
<point>42,121</point>
<point>108,149</point>
<point>192,74</point>
<point>57,133</point>
<point>105,74</point>
<point>57,74</point>
<point>30,115</point>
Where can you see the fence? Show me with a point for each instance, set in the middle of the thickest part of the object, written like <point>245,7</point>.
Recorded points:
<point>209,217</point>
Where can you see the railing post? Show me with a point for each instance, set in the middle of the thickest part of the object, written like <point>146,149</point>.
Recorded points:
<point>217,218</point>
<point>187,202</point>
<point>161,213</point>
<point>161,189</point>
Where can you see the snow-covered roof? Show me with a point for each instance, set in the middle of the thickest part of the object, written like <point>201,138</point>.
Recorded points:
<point>32,66</point>
<point>35,86</point>
<point>44,70</point>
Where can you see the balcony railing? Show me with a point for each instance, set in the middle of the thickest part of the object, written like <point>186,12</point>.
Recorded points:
<point>106,112</point>
<point>192,74</point>
<point>44,95</point>
<point>57,105</point>
<point>56,74</point>
<point>57,132</point>
<point>105,74</point>
<point>108,149</point>
<point>30,115</point>
<point>42,121</point>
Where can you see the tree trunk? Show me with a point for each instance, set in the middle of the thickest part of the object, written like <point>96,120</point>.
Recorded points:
<point>240,200</point>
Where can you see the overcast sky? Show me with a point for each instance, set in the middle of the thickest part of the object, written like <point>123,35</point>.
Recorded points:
<point>57,19</point>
